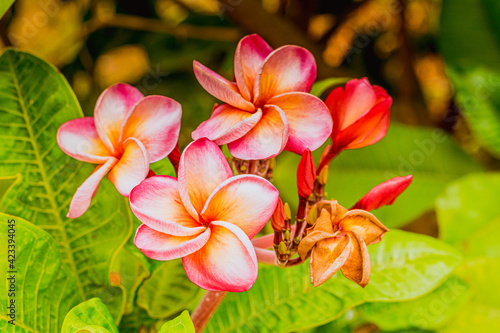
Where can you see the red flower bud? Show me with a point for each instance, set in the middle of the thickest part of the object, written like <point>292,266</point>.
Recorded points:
<point>360,114</point>
<point>278,217</point>
<point>383,194</point>
<point>306,173</point>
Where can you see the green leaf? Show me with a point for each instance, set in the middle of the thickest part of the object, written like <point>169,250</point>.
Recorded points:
<point>466,207</point>
<point>34,101</point>
<point>482,313</point>
<point>429,312</point>
<point>45,290</point>
<point>167,291</point>
<point>90,316</point>
<point>4,6</point>
<point>322,86</point>
<point>181,324</point>
<point>404,266</point>
<point>478,96</point>
<point>429,155</point>
<point>466,33</point>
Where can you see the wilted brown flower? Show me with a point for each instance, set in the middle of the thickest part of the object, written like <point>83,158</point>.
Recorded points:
<point>338,240</point>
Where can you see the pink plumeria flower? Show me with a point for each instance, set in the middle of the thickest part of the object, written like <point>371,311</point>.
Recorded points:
<point>207,217</point>
<point>268,108</point>
<point>126,134</point>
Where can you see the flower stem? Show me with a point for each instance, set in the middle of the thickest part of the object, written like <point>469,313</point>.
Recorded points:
<point>206,308</point>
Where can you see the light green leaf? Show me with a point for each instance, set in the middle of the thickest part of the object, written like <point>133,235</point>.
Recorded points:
<point>181,324</point>
<point>167,291</point>
<point>34,101</point>
<point>320,87</point>
<point>429,155</point>
<point>466,207</point>
<point>404,266</point>
<point>90,316</point>
<point>4,6</point>
<point>45,290</point>
<point>482,313</point>
<point>429,312</point>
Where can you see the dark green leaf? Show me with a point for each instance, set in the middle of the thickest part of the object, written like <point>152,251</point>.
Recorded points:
<point>167,291</point>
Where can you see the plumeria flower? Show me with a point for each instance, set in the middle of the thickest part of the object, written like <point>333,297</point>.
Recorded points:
<point>206,217</point>
<point>360,115</point>
<point>126,134</point>
<point>268,108</point>
<point>338,240</point>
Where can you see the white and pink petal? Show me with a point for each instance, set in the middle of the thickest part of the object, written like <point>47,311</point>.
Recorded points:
<point>310,122</point>
<point>78,138</point>
<point>156,203</point>
<point>111,110</point>
<point>227,262</point>
<point>201,169</point>
<point>160,246</point>
<point>132,168</point>
<point>156,122</point>
<point>83,195</point>
<point>247,201</point>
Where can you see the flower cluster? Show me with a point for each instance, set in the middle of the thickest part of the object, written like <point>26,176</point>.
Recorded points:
<point>207,215</point>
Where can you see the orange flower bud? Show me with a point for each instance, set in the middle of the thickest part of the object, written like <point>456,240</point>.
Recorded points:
<point>278,217</point>
<point>384,193</point>
<point>306,173</point>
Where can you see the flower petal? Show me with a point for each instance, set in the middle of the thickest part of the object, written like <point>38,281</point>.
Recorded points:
<point>78,138</point>
<point>81,199</point>
<point>132,168</point>
<point>250,54</point>
<point>357,267</point>
<point>364,224</point>
<point>201,169</point>
<point>227,124</point>
<point>111,110</point>
<point>156,203</point>
<point>220,88</point>
<point>156,122</point>
<point>227,262</point>
<point>309,120</point>
<point>266,139</point>
<point>379,126</point>
<point>159,246</point>
<point>289,68</point>
<point>358,98</point>
<point>327,257</point>
<point>247,201</point>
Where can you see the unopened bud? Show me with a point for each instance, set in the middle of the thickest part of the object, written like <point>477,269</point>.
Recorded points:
<point>278,217</point>
<point>282,248</point>
<point>323,175</point>
<point>312,215</point>
<point>306,173</point>
<point>384,193</point>
<point>287,211</point>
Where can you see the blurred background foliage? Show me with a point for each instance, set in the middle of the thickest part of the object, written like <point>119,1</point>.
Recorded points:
<point>439,60</point>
